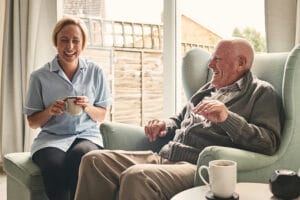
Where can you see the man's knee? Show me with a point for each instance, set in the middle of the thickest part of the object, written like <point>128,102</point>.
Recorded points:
<point>135,175</point>
<point>139,181</point>
<point>96,158</point>
<point>88,158</point>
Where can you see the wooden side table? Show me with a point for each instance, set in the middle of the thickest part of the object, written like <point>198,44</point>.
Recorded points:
<point>246,191</point>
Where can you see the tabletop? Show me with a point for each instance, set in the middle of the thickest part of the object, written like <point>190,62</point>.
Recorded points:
<point>246,191</point>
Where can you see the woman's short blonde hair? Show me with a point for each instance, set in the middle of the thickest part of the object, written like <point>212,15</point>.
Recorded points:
<point>68,21</point>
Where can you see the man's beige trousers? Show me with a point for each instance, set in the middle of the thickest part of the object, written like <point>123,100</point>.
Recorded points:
<point>137,175</point>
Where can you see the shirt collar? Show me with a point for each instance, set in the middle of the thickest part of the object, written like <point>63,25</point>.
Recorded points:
<point>55,67</point>
<point>236,86</point>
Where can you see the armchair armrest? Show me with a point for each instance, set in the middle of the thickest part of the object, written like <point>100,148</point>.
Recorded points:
<point>128,137</point>
<point>246,160</point>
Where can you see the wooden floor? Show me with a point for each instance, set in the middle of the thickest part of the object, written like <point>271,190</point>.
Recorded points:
<point>2,185</point>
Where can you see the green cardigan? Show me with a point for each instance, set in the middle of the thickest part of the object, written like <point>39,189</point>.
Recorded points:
<point>253,123</point>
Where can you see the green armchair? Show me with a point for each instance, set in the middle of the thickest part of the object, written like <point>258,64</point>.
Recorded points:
<point>24,180</point>
<point>282,70</point>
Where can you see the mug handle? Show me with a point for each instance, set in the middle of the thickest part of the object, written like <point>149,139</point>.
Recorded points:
<point>66,106</point>
<point>203,167</point>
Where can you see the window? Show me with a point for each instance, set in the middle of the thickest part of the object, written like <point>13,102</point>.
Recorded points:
<point>125,38</point>
<point>215,19</point>
<point>205,22</point>
<point>141,64</point>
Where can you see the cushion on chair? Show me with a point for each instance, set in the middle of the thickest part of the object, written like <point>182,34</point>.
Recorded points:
<point>195,71</point>
<point>20,167</point>
<point>129,137</point>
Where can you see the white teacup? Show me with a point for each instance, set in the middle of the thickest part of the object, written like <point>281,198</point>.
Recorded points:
<point>222,177</point>
<point>71,107</point>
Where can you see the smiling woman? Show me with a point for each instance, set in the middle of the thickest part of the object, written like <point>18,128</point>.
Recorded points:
<point>65,136</point>
<point>69,43</point>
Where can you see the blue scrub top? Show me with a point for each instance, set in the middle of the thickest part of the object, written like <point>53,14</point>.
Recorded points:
<point>49,84</point>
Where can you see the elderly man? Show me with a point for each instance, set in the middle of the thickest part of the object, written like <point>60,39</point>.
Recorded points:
<point>234,109</point>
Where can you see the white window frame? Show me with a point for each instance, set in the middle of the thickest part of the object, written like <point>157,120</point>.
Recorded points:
<point>172,57</point>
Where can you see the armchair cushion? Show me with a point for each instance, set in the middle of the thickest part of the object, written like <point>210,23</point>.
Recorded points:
<point>247,161</point>
<point>20,166</point>
<point>24,180</point>
<point>195,71</point>
<point>128,137</point>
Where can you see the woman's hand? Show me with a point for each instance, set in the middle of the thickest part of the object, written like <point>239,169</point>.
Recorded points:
<point>96,113</point>
<point>82,101</point>
<point>57,108</point>
<point>39,119</point>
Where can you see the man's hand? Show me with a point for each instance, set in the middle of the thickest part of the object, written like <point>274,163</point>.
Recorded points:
<point>155,128</point>
<point>212,110</point>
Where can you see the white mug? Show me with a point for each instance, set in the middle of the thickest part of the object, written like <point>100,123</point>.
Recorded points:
<point>222,177</point>
<point>71,107</point>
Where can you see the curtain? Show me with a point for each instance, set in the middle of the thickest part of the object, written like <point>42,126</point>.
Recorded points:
<point>2,6</point>
<point>282,24</point>
<point>26,46</point>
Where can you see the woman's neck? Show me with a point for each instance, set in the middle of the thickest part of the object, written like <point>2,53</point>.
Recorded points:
<point>69,68</point>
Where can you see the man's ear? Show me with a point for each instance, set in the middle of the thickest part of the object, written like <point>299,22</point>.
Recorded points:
<point>242,62</point>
